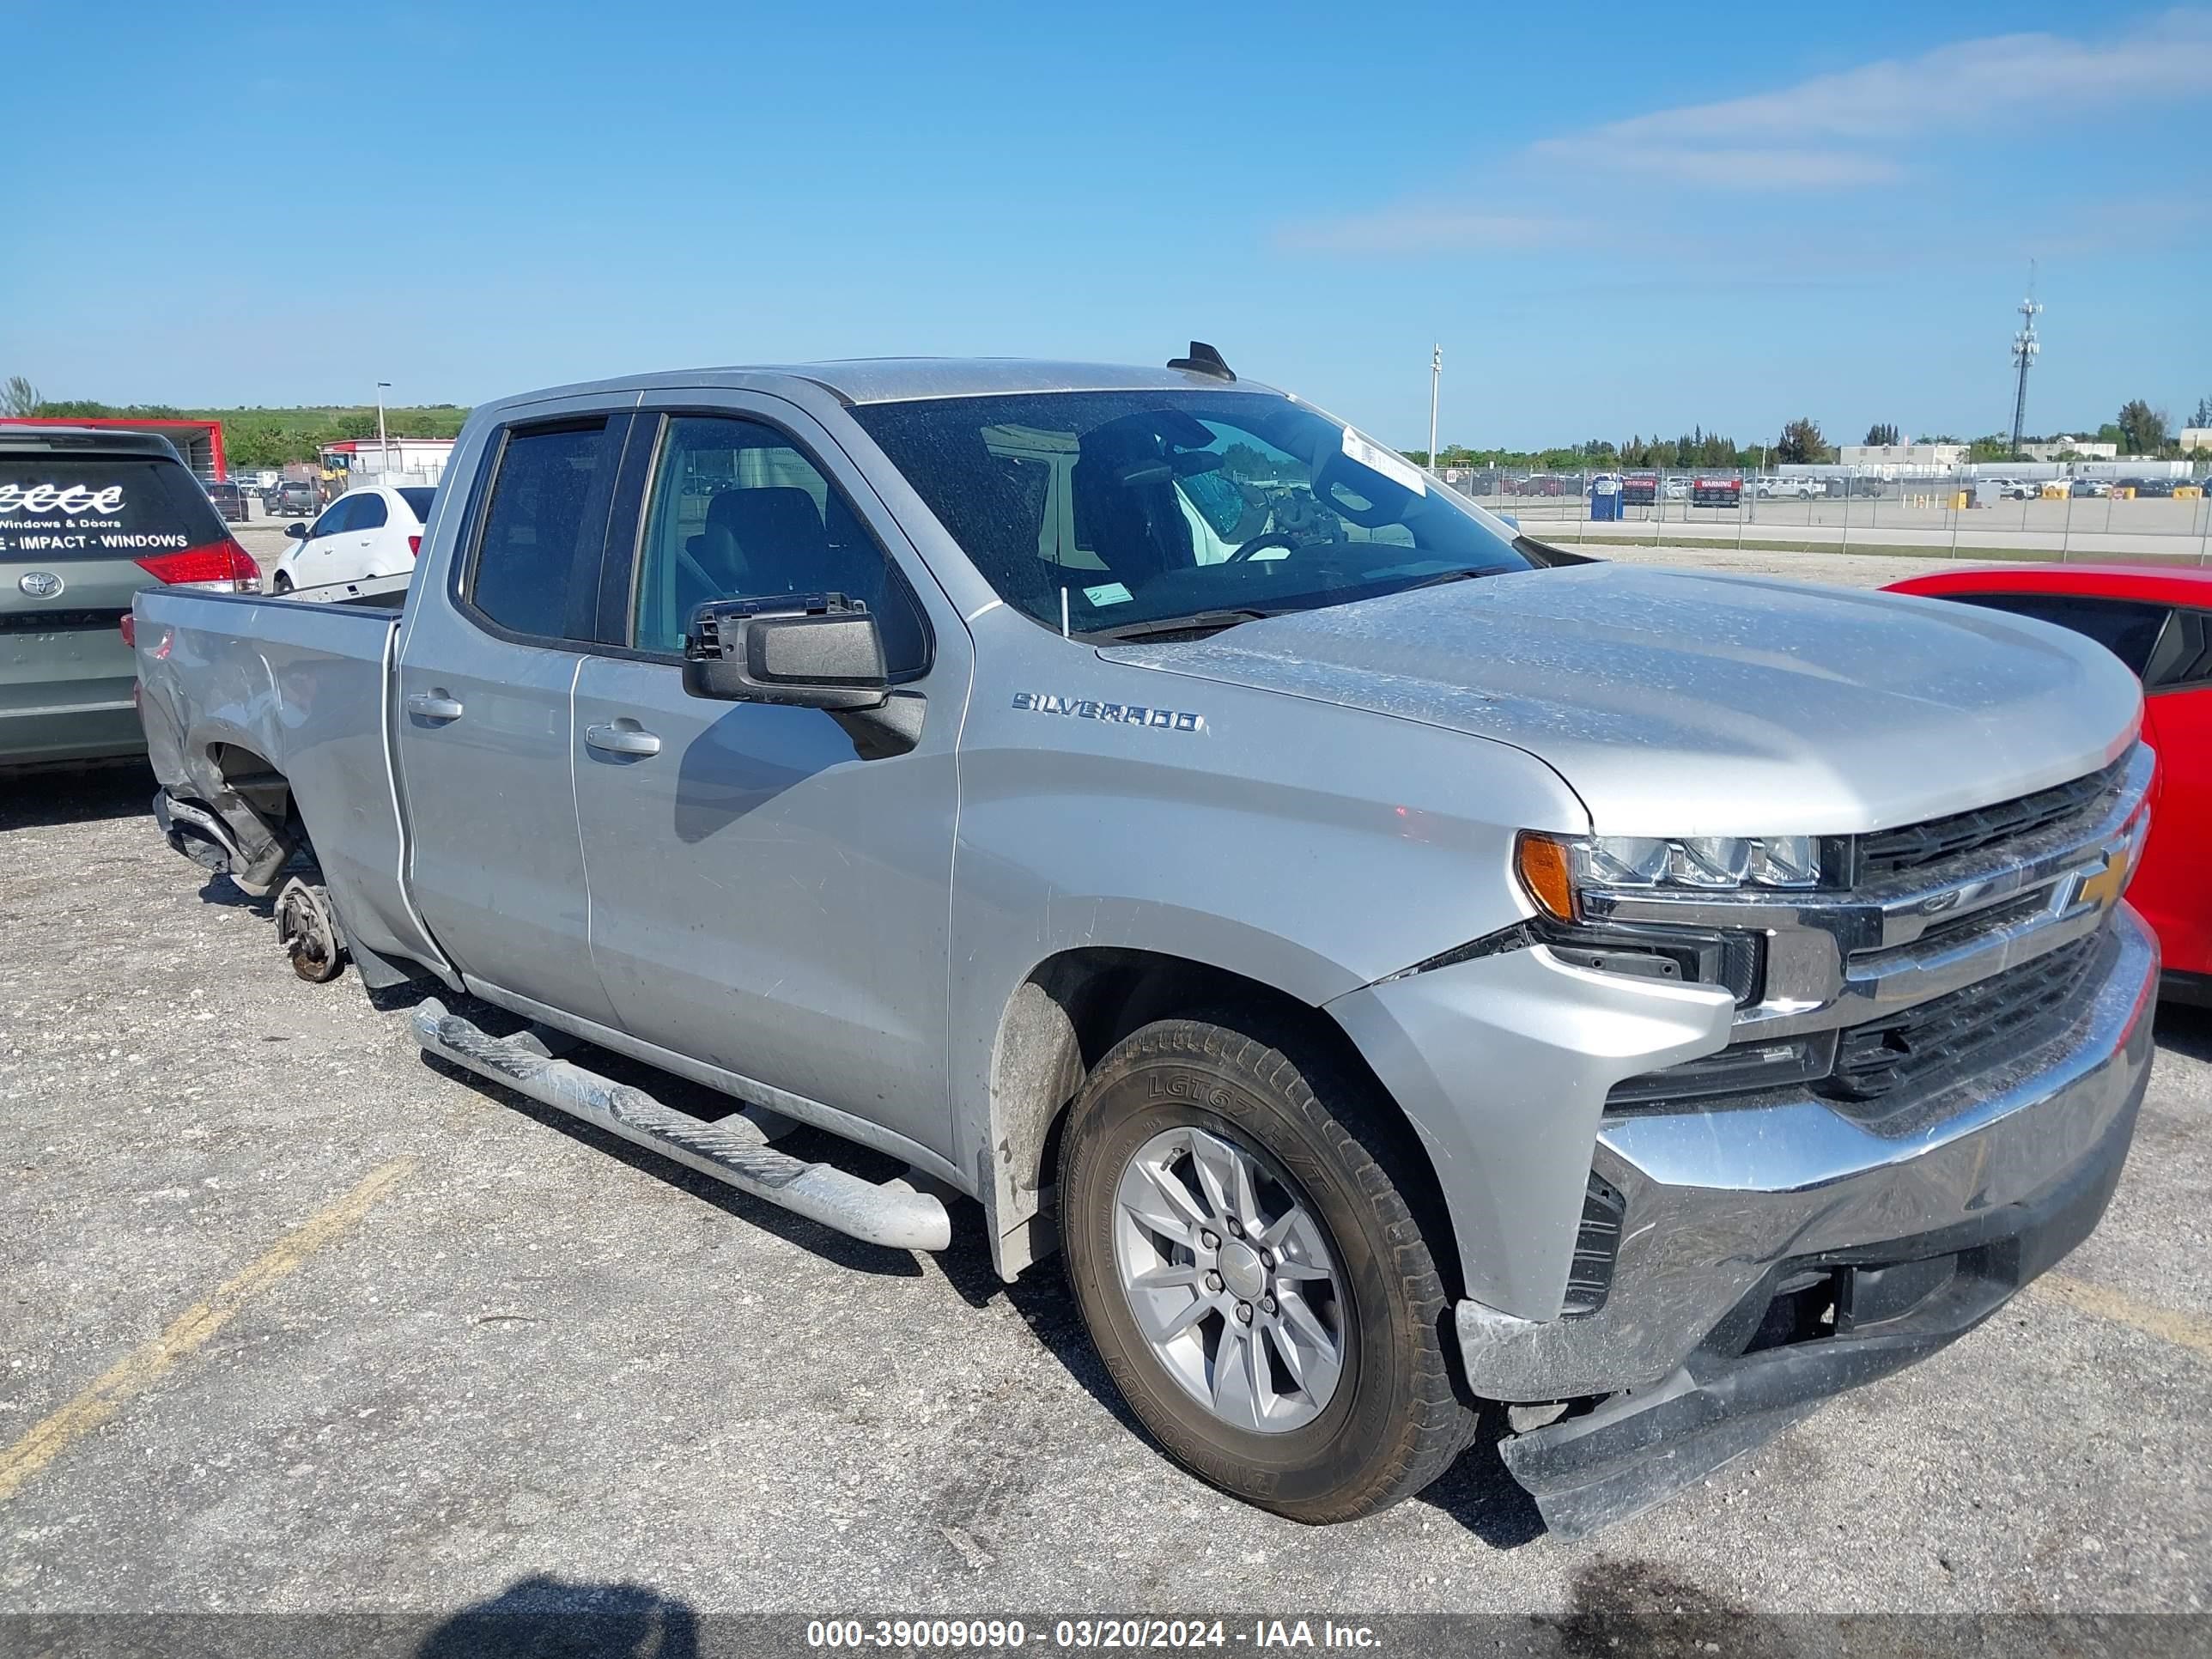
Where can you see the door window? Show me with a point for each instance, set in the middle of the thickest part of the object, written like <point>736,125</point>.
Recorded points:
<point>537,561</point>
<point>2126,628</point>
<point>368,513</point>
<point>738,511</point>
<point>335,519</point>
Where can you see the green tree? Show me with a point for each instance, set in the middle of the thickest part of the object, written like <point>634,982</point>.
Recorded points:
<point>1883,432</point>
<point>1801,442</point>
<point>2204,415</point>
<point>2142,428</point>
<point>19,396</point>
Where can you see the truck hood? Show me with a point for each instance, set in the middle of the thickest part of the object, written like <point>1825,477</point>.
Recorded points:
<point>1679,703</point>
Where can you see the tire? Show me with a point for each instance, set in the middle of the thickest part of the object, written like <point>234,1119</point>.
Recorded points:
<point>1166,1098</point>
<point>280,583</point>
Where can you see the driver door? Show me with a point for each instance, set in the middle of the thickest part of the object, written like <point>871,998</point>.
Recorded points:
<point>769,894</point>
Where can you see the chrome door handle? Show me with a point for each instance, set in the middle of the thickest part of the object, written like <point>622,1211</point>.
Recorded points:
<point>621,740</point>
<point>433,706</point>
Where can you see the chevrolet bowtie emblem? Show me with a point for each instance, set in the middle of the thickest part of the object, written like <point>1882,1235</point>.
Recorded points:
<point>2102,887</point>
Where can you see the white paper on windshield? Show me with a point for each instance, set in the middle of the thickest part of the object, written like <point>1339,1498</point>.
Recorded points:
<point>1375,458</point>
<point>1110,593</point>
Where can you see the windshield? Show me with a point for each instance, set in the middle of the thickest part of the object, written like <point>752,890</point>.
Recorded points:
<point>1145,507</point>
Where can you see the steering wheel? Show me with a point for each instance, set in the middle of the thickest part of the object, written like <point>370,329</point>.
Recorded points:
<point>1272,538</point>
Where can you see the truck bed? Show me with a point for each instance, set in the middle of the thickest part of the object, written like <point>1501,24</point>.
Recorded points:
<point>265,711</point>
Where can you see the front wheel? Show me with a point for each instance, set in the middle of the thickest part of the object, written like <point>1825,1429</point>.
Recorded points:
<point>281,583</point>
<point>1239,1238</point>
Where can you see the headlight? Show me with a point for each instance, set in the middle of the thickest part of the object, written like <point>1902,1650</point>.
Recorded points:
<point>1555,869</point>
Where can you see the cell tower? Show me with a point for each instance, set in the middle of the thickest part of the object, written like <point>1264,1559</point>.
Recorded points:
<point>2024,348</point>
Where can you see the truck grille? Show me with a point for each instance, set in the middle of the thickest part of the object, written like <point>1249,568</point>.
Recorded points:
<point>1913,845</point>
<point>1918,1047</point>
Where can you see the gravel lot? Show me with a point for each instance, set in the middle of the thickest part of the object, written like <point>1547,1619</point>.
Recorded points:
<point>537,1353</point>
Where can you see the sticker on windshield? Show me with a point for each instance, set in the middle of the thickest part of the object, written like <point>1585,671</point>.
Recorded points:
<point>1110,593</point>
<point>1375,458</point>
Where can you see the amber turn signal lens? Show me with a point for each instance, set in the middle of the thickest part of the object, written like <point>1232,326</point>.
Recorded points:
<point>1544,869</point>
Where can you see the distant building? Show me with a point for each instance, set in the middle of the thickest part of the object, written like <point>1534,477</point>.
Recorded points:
<point>1937,455</point>
<point>395,461</point>
<point>2086,449</point>
<point>2197,437</point>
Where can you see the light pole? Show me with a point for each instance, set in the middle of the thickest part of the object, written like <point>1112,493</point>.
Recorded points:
<point>383,445</point>
<point>2025,346</point>
<point>1436,384</point>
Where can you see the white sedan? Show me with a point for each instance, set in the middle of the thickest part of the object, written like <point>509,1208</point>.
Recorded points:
<point>374,531</point>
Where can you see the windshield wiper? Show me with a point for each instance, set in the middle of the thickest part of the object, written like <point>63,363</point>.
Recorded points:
<point>1444,576</point>
<point>1197,625</point>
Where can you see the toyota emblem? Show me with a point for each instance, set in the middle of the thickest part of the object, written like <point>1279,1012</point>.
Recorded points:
<point>40,584</point>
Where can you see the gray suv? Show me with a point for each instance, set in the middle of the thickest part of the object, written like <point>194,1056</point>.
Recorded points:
<point>86,519</point>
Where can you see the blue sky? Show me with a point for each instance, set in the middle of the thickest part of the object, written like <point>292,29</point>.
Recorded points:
<point>1611,221</point>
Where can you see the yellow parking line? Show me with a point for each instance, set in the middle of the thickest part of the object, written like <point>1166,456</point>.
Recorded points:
<point>2183,1330</point>
<point>189,1330</point>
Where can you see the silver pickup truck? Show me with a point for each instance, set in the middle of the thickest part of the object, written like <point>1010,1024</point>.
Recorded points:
<point>1416,977</point>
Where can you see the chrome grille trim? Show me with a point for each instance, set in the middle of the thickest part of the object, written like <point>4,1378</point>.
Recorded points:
<point>1839,959</point>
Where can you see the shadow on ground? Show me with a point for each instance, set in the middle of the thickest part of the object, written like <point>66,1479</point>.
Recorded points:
<point>41,796</point>
<point>544,1618</point>
<point>2185,1031</point>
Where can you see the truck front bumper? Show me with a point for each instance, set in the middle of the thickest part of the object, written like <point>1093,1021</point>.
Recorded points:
<point>1721,1207</point>
<point>1773,1256</point>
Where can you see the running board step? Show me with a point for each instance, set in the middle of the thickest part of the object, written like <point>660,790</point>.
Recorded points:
<point>733,1151</point>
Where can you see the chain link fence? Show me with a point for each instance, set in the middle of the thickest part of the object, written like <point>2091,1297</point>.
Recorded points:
<point>1977,511</point>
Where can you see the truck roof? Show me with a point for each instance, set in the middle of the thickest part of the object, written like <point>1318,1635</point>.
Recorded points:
<point>901,380</point>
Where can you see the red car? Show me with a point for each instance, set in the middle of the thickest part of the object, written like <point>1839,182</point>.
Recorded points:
<point>2159,623</point>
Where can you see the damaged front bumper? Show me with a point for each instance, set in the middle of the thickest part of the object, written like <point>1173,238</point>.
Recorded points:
<point>1772,1255</point>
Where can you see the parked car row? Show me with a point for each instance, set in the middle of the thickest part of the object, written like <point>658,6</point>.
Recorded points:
<point>1646,488</point>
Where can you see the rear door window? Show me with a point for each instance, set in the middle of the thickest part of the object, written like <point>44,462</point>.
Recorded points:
<point>2128,628</point>
<point>418,501</point>
<point>535,571</point>
<point>55,508</point>
<point>369,512</point>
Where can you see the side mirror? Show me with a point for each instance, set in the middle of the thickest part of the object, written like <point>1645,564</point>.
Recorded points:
<point>296,530</point>
<point>806,650</point>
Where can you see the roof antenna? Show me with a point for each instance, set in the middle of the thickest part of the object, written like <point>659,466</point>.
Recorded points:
<point>1203,359</point>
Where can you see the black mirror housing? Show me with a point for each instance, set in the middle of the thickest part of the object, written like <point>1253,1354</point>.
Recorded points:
<point>296,530</point>
<point>804,650</point>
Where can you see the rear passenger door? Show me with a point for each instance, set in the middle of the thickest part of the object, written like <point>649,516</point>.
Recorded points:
<point>769,895</point>
<point>488,667</point>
